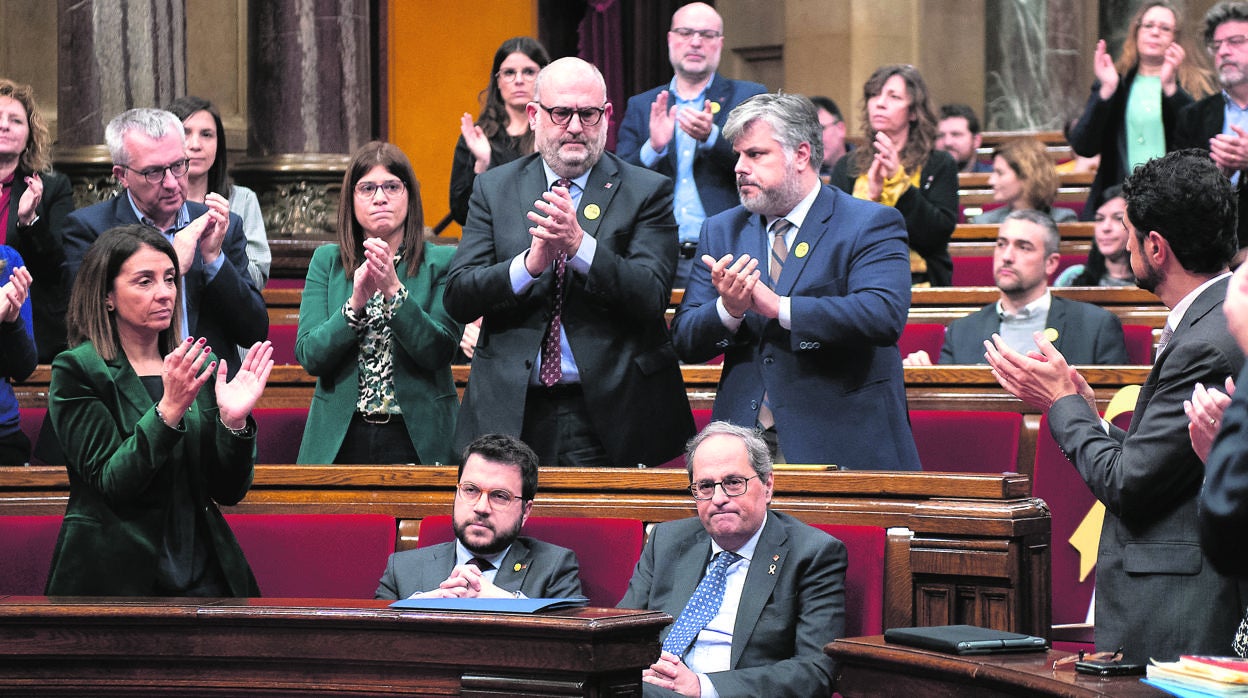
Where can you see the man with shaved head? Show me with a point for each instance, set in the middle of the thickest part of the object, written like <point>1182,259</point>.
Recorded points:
<point>568,255</point>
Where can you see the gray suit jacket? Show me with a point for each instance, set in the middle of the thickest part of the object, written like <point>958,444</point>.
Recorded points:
<point>1156,594</point>
<point>535,568</point>
<point>1086,334</point>
<point>793,603</point>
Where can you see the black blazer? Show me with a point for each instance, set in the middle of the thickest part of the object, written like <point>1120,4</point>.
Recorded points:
<point>1197,124</point>
<point>1086,334</point>
<point>43,252</point>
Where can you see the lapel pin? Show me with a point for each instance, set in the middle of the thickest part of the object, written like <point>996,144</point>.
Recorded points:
<point>517,567</point>
<point>801,250</point>
<point>606,185</point>
<point>715,107</point>
<point>771,569</point>
<point>592,212</point>
<point>1050,334</point>
<point>775,558</point>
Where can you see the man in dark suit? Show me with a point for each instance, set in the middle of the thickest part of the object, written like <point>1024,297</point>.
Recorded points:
<point>805,291</point>
<point>675,128</point>
<point>1025,256</point>
<point>220,301</point>
<point>781,583</point>
<point>574,355</point>
<point>489,557</point>
<point>1204,124</point>
<point>1156,595</point>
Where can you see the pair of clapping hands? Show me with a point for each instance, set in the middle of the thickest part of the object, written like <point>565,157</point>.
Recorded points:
<point>205,234</point>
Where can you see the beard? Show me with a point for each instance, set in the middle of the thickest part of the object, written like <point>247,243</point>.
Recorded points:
<point>1231,74</point>
<point>1149,279</point>
<point>498,543</point>
<point>772,201</point>
<point>573,164</point>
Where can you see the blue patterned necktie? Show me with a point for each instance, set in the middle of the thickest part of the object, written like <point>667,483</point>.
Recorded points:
<point>702,606</point>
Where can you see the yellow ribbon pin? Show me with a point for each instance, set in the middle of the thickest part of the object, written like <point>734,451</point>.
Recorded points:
<point>517,567</point>
<point>801,250</point>
<point>592,212</point>
<point>1050,334</point>
<point>715,107</point>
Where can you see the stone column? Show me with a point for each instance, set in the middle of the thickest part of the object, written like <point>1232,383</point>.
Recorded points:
<point>309,106</point>
<point>113,55</point>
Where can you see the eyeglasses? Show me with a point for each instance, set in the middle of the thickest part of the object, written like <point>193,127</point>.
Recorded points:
<point>562,116</point>
<point>733,486</point>
<point>156,175</point>
<point>367,190</point>
<point>1233,41</point>
<point>705,34</point>
<point>1162,28</point>
<point>499,499</point>
<point>511,74</point>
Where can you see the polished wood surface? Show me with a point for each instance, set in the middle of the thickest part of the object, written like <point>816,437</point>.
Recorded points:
<point>869,667</point>
<point>315,647</point>
<point>962,548</point>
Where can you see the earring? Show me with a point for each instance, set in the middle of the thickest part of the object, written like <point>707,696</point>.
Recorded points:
<point>108,305</point>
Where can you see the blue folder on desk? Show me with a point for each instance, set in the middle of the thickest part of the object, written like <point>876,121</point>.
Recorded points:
<point>480,605</point>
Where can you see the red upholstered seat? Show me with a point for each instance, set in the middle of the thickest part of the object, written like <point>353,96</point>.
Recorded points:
<point>966,441</point>
<point>606,549</point>
<point>26,547</point>
<point>1139,339</point>
<point>928,336</point>
<point>280,431</point>
<point>283,339</point>
<point>331,556</point>
<point>1056,481</point>
<point>864,580</point>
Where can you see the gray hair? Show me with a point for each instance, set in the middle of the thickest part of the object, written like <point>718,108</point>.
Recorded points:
<point>565,64</point>
<point>793,118</point>
<point>1224,12</point>
<point>755,446</point>
<point>155,123</point>
<point>1052,238</point>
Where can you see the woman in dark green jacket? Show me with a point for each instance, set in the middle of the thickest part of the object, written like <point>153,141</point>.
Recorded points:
<point>154,436</point>
<point>372,328</point>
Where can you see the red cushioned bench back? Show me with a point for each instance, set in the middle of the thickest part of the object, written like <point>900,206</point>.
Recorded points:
<point>967,441</point>
<point>864,579</point>
<point>26,547</point>
<point>279,433</point>
<point>331,556</point>
<point>1057,482</point>
<point>606,549</point>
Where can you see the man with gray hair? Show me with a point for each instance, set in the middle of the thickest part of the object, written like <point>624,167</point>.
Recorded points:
<point>1026,255</point>
<point>804,290</point>
<point>220,302</point>
<point>770,590</point>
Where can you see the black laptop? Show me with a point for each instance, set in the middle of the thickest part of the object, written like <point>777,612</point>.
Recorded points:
<point>964,639</point>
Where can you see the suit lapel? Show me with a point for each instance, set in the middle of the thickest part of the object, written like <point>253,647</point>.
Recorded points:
<point>1057,320</point>
<point>804,243</point>
<point>690,564</point>
<point>514,567</point>
<point>130,390</point>
<point>600,188</point>
<point>765,568</point>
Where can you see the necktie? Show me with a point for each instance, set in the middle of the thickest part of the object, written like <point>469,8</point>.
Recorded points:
<point>1241,638</point>
<point>482,564</point>
<point>1166,333</point>
<point>702,606</point>
<point>552,363</point>
<point>779,249</point>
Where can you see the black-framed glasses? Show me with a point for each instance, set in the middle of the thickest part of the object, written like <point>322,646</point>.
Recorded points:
<point>705,34</point>
<point>471,492</point>
<point>562,116</point>
<point>510,74</point>
<point>733,486</point>
<point>156,174</point>
<point>1234,42</point>
<point>368,190</point>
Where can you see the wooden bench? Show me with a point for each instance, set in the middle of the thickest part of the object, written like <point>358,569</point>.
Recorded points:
<point>1133,306</point>
<point>987,232</point>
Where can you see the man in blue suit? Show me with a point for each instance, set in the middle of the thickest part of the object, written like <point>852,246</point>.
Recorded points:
<point>219,300</point>
<point>675,128</point>
<point>805,291</point>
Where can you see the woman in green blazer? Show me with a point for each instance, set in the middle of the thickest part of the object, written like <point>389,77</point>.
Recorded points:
<point>372,328</point>
<point>148,448</point>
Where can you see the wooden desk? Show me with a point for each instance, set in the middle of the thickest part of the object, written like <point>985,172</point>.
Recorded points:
<point>868,667</point>
<point>315,647</point>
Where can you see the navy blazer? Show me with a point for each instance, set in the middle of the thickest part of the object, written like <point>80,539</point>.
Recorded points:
<point>1199,122</point>
<point>1086,334</point>
<point>1224,498</point>
<point>792,604</point>
<point>834,382</point>
<point>1157,596</point>
<point>229,311</point>
<point>712,167</point>
<point>613,317</point>
<point>535,568</point>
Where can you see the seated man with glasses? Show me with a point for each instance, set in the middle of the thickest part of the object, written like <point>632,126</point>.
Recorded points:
<point>219,300</point>
<point>771,592</point>
<point>1219,123</point>
<point>489,557</point>
<point>674,129</point>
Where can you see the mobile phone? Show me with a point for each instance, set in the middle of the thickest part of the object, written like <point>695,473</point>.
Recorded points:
<point>1097,667</point>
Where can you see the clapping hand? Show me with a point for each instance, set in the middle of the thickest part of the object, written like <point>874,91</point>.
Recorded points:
<point>27,205</point>
<point>13,295</point>
<point>182,377</point>
<point>477,143</point>
<point>237,397</point>
<point>1204,414</point>
<point>1171,61</point>
<point>1103,68</point>
<point>662,122</point>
